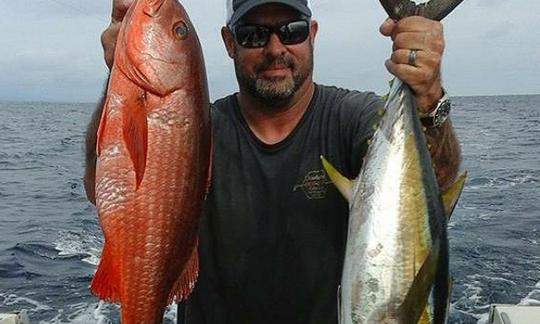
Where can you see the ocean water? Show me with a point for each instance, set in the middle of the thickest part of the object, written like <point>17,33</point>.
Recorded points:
<point>50,239</point>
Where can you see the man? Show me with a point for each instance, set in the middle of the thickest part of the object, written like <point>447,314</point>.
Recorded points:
<point>274,229</point>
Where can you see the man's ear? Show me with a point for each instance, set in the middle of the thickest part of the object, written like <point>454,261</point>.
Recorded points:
<point>228,40</point>
<point>313,28</point>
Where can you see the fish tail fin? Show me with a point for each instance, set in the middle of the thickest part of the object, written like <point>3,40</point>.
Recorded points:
<point>434,9</point>
<point>186,281</point>
<point>107,279</point>
<point>342,183</point>
<point>451,195</point>
<point>135,131</point>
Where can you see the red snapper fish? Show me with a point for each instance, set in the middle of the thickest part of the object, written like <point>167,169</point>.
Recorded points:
<point>154,150</point>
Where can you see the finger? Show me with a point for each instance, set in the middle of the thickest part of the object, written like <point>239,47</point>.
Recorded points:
<point>403,56</point>
<point>414,76</point>
<point>108,42</point>
<point>387,27</point>
<point>405,72</point>
<point>119,9</point>
<point>425,41</point>
<point>421,58</point>
<point>418,78</point>
<point>417,23</point>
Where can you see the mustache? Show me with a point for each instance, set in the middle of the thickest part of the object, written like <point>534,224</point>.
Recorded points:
<point>271,61</point>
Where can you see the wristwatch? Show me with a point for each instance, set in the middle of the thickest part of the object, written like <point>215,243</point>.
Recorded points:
<point>437,116</point>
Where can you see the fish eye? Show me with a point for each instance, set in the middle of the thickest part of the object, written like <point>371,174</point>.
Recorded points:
<point>181,30</point>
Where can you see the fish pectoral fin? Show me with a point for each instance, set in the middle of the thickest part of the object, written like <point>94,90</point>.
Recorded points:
<point>342,183</point>
<point>135,130</point>
<point>451,195</point>
<point>434,9</point>
<point>107,279</point>
<point>415,301</point>
<point>187,278</point>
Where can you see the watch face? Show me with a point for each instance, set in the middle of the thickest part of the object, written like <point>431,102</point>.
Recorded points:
<point>442,113</point>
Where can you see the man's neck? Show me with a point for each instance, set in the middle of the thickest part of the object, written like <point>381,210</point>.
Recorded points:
<point>273,124</point>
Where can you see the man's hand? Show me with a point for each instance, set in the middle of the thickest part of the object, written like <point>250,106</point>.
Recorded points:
<point>109,35</point>
<point>426,37</point>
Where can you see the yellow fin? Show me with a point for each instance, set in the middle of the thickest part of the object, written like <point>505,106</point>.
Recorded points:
<point>414,305</point>
<point>343,184</point>
<point>451,195</point>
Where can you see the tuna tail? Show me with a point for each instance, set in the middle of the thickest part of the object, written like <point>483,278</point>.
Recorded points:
<point>434,9</point>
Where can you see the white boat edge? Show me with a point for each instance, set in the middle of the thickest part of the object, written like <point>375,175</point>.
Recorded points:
<point>14,318</point>
<point>514,314</point>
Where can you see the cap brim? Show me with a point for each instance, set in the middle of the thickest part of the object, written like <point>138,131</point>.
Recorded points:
<point>240,12</point>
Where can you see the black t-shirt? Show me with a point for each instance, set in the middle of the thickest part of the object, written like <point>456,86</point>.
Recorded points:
<point>273,233</point>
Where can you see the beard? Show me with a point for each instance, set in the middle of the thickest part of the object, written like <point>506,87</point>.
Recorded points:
<point>274,91</point>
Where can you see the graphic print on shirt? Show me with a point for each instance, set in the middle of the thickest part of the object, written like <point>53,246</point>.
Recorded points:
<point>314,184</point>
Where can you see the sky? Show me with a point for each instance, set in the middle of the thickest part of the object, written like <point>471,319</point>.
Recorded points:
<point>50,49</point>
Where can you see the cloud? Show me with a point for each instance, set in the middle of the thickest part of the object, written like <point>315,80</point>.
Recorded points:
<point>50,48</point>
<point>490,3</point>
<point>54,8</point>
<point>499,31</point>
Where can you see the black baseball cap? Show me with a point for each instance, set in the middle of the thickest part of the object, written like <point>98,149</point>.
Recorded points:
<point>236,9</point>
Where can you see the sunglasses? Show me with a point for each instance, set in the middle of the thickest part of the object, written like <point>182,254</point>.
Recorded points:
<point>255,36</point>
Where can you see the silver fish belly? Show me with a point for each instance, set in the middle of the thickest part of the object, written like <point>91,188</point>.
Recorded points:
<point>396,218</point>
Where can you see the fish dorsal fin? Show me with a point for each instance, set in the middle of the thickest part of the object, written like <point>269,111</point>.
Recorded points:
<point>342,183</point>
<point>135,130</point>
<point>451,195</point>
<point>415,302</point>
<point>434,9</point>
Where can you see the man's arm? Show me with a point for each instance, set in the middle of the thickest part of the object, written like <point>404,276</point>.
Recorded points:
<point>90,151</point>
<point>445,153</point>
<point>426,38</point>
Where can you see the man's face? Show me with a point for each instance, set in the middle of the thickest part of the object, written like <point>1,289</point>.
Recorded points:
<point>275,72</point>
